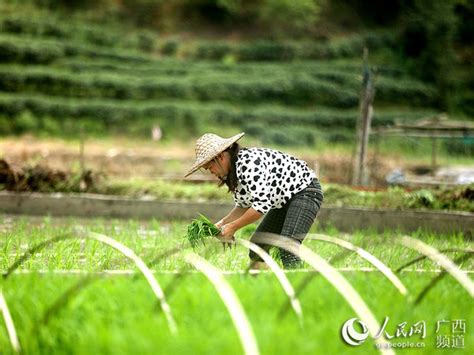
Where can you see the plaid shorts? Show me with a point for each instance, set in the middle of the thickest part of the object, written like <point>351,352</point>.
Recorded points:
<point>292,220</point>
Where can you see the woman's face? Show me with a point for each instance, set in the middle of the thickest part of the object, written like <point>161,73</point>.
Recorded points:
<point>219,166</point>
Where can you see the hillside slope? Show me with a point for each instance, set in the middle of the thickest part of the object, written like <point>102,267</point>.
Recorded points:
<point>59,74</point>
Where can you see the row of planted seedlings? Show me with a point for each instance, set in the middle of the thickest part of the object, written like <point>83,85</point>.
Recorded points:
<point>202,230</point>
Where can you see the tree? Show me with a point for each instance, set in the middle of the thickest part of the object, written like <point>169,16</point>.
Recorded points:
<point>279,16</point>
<point>427,39</point>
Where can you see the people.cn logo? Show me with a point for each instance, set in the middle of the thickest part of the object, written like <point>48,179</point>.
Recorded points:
<point>352,336</point>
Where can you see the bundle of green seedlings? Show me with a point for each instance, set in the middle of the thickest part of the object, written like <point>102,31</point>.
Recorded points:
<point>200,229</point>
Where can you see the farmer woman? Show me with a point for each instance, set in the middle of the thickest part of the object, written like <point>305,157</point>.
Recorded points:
<point>264,182</point>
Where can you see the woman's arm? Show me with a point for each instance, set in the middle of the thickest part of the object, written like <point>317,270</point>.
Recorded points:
<point>234,214</point>
<point>249,216</point>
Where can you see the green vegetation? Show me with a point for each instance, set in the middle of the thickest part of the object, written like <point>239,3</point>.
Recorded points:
<point>102,72</point>
<point>191,116</point>
<point>199,229</point>
<point>101,316</point>
<point>320,87</point>
<point>442,198</point>
<point>288,72</point>
<point>51,26</point>
<point>458,198</point>
<point>151,238</point>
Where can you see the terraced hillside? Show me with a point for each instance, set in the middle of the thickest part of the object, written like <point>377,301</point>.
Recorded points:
<point>56,76</point>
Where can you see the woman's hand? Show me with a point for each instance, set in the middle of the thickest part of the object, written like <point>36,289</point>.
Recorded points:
<point>220,223</point>
<point>227,231</point>
<point>236,213</point>
<point>227,235</point>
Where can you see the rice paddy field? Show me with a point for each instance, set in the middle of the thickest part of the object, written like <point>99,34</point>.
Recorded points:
<point>80,295</point>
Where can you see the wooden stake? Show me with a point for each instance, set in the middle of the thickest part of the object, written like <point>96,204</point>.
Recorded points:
<point>81,151</point>
<point>363,124</point>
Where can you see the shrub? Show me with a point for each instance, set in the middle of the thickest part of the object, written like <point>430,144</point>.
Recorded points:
<point>6,125</point>
<point>146,41</point>
<point>25,122</point>
<point>460,146</point>
<point>266,51</point>
<point>420,199</point>
<point>294,16</point>
<point>50,125</point>
<point>176,116</point>
<point>427,38</point>
<point>170,47</point>
<point>28,52</point>
<point>288,136</point>
<point>212,50</point>
<point>340,137</point>
<point>289,89</point>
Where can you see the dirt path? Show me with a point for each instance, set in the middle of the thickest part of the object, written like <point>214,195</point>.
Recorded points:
<point>119,157</point>
<point>127,158</point>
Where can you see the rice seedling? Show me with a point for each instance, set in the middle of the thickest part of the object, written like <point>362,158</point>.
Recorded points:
<point>121,314</point>
<point>200,229</point>
<point>231,301</point>
<point>12,334</point>
<point>445,262</point>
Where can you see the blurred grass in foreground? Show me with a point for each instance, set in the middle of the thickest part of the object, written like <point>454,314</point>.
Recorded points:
<point>119,313</point>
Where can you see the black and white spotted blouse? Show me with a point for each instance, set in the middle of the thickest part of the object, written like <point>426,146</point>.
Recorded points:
<point>268,178</point>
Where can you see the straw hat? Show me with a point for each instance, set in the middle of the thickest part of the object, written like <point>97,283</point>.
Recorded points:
<point>210,146</point>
